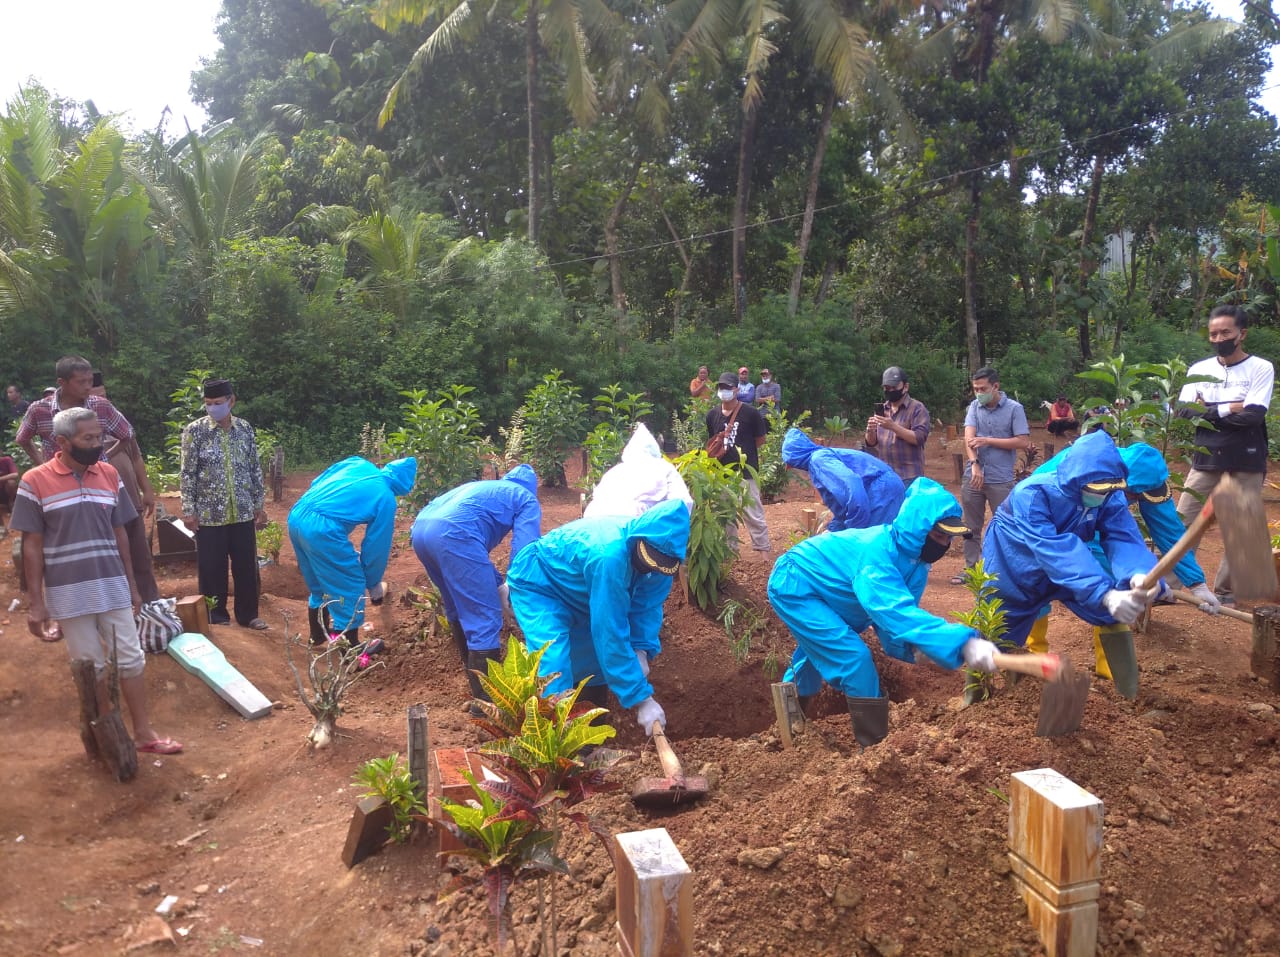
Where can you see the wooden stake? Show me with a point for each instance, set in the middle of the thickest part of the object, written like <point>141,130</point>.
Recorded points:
<point>654,896</point>
<point>809,520</point>
<point>1264,658</point>
<point>957,464</point>
<point>193,612</point>
<point>277,474</point>
<point>786,707</point>
<point>418,751</point>
<point>1055,841</point>
<point>104,736</point>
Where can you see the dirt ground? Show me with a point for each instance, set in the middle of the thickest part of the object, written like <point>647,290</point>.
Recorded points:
<point>898,850</point>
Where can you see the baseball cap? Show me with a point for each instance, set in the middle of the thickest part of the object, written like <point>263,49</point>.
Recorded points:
<point>728,380</point>
<point>893,376</point>
<point>952,526</point>
<point>743,369</point>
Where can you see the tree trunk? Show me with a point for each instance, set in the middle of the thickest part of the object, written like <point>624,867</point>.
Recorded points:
<point>535,122</point>
<point>678,307</point>
<point>811,202</point>
<point>824,287</point>
<point>611,239</point>
<point>746,151</point>
<point>1089,265</point>
<point>972,337</point>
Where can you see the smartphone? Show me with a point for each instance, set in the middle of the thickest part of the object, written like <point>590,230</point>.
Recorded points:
<point>880,409</point>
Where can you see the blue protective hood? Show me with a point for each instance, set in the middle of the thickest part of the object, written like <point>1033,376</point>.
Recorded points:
<point>401,474</point>
<point>665,527</point>
<point>797,449</point>
<point>1147,467</point>
<point>524,476</point>
<point>926,502</point>
<point>1092,458</point>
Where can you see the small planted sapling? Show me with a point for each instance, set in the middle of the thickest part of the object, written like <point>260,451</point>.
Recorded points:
<point>389,778</point>
<point>719,496</point>
<point>987,618</point>
<point>331,671</point>
<point>270,539</point>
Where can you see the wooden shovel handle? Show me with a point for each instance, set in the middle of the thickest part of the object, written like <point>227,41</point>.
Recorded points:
<point>1191,599</point>
<point>1038,666</point>
<point>1183,545</point>
<point>671,765</point>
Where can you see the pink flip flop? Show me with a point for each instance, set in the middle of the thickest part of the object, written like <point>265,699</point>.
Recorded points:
<point>161,746</point>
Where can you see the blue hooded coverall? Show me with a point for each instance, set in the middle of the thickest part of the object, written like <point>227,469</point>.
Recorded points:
<point>577,595</point>
<point>453,536</point>
<point>346,494</point>
<point>1038,542</point>
<point>1149,481</point>
<point>859,489</point>
<point>829,588</point>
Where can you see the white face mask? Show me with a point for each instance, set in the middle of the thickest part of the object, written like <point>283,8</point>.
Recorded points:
<point>766,379</point>
<point>724,394</point>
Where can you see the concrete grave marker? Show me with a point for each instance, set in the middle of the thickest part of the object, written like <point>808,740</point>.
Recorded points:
<point>206,661</point>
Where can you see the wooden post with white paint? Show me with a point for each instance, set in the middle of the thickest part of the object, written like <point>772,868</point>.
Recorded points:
<point>654,896</point>
<point>1055,840</point>
<point>1264,657</point>
<point>418,749</point>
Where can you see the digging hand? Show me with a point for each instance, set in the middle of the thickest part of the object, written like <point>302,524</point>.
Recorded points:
<point>377,593</point>
<point>643,657</point>
<point>1156,592</point>
<point>1208,600</point>
<point>647,712</point>
<point>1125,607</point>
<point>980,654</point>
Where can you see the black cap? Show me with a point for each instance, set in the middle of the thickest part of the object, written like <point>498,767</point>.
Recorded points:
<point>893,376</point>
<point>217,388</point>
<point>727,380</point>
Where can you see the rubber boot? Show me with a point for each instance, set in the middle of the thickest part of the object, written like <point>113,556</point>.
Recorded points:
<point>1122,658</point>
<point>479,661</point>
<point>318,636</point>
<point>870,717</point>
<point>1100,655</point>
<point>597,695</point>
<point>1038,637</point>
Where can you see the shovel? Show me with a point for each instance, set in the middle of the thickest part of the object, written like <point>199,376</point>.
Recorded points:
<point>1226,612</point>
<point>673,789</point>
<point>1064,695</point>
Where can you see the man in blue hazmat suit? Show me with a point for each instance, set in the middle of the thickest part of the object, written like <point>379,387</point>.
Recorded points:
<point>858,489</point>
<point>591,594</point>
<point>347,494</point>
<point>1038,546</point>
<point>452,537</point>
<point>829,588</point>
<point>1148,486</point>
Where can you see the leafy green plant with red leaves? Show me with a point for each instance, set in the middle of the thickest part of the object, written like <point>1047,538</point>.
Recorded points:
<point>545,758</point>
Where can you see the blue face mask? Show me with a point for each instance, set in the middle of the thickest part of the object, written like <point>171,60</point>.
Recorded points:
<point>219,410</point>
<point>1093,499</point>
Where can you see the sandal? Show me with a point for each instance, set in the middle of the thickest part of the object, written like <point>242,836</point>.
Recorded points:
<point>258,625</point>
<point>161,746</point>
<point>957,579</point>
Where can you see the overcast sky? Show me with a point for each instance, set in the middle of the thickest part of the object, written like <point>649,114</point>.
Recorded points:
<point>137,56</point>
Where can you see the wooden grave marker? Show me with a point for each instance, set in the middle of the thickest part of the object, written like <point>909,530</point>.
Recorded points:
<point>654,896</point>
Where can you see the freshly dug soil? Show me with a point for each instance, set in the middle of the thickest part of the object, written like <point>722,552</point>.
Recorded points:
<point>897,850</point>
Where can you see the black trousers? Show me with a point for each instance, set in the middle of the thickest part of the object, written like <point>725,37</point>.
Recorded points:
<point>144,575</point>
<point>214,545</point>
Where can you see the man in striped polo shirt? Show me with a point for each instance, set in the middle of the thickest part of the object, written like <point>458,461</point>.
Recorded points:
<point>76,556</point>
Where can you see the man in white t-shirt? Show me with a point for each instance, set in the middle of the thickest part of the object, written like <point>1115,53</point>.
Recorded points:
<point>1235,408</point>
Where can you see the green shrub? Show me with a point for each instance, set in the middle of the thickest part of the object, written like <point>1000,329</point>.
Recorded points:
<point>604,444</point>
<point>719,496</point>
<point>444,434</point>
<point>555,420</point>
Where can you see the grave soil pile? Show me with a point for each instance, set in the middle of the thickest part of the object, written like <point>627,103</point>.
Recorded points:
<point>897,850</point>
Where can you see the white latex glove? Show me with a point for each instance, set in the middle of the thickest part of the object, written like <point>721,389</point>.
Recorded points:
<point>980,653</point>
<point>647,712</point>
<point>643,658</point>
<point>1208,600</point>
<point>1125,607</point>
<point>1155,593</point>
<point>504,592</point>
<point>377,593</point>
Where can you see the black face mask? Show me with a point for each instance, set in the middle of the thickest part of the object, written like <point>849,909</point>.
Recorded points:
<point>86,456</point>
<point>933,550</point>
<point>893,395</point>
<point>1226,347</point>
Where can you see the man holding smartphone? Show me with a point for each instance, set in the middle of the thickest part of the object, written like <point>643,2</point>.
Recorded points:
<point>898,430</point>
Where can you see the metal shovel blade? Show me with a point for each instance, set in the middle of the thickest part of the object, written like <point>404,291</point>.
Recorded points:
<point>1062,702</point>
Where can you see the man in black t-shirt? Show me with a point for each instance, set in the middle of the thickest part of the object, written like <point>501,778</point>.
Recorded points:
<point>742,443</point>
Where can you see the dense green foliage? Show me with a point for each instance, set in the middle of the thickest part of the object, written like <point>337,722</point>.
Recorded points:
<point>825,189</point>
